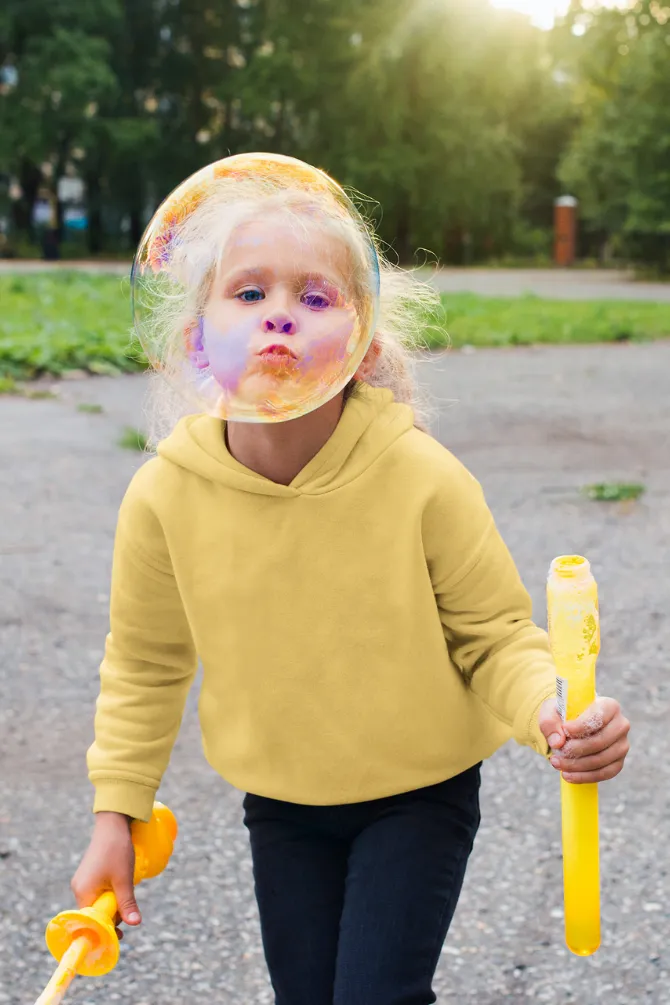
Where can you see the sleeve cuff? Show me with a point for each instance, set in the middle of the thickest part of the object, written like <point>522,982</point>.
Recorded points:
<point>119,796</point>
<point>535,737</point>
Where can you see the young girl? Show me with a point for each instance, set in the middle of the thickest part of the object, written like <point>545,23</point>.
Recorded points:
<point>365,637</point>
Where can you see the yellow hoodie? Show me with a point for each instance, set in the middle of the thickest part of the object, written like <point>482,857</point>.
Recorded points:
<point>363,631</point>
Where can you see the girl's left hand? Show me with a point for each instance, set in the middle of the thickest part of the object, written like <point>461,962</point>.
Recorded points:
<point>591,748</point>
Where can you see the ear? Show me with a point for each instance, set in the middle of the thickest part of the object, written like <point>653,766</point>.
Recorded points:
<point>369,362</point>
<point>194,338</point>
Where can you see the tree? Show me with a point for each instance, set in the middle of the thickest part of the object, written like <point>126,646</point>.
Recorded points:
<point>62,74</point>
<point>448,115</point>
<point>432,138</point>
<point>618,163</point>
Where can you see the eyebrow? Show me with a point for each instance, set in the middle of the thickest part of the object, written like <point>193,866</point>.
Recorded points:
<point>239,275</point>
<point>267,275</point>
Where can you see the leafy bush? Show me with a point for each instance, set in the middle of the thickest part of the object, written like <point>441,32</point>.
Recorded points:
<point>69,321</point>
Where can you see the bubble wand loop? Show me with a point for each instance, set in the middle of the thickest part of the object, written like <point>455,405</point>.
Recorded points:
<point>84,941</point>
<point>574,635</point>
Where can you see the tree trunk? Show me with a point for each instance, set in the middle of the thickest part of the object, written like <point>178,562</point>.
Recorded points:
<point>279,125</point>
<point>403,233</point>
<point>452,244</point>
<point>95,237</point>
<point>30,179</point>
<point>135,226</point>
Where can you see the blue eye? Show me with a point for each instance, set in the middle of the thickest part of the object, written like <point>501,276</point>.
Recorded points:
<point>250,296</point>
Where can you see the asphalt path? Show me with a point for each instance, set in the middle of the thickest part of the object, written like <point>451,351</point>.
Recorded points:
<point>534,425</point>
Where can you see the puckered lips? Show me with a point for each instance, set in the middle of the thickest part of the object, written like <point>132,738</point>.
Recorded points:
<point>276,354</point>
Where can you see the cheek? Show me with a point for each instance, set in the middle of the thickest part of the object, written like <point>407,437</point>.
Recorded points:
<point>329,326</point>
<point>227,348</point>
<point>329,335</point>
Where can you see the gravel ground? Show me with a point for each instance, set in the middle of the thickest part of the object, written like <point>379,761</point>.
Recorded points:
<point>534,425</point>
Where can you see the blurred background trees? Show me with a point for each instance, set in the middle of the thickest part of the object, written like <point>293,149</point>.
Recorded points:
<point>461,122</point>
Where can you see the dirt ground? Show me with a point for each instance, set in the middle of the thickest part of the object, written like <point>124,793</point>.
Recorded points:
<point>534,425</point>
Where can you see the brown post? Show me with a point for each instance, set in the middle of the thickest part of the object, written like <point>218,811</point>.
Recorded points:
<point>565,230</point>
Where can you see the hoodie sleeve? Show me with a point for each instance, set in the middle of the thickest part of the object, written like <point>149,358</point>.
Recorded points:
<point>485,610</point>
<point>148,666</point>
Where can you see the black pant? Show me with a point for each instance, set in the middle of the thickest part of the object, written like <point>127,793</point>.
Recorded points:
<point>356,900</point>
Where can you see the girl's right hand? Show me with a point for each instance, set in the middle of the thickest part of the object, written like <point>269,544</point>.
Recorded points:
<point>108,864</point>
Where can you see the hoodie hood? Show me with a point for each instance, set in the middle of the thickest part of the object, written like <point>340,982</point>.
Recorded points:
<point>371,421</point>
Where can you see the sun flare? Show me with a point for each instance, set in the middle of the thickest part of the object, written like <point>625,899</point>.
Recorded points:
<point>541,12</point>
<point>544,12</point>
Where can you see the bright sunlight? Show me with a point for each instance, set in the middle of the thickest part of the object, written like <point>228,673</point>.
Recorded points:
<point>544,12</point>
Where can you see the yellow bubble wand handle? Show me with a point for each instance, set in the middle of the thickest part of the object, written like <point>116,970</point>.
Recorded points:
<point>574,635</point>
<point>84,941</point>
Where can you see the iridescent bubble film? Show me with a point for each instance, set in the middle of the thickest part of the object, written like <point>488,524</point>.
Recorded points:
<point>255,288</point>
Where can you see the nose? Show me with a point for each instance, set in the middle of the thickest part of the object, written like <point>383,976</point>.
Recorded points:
<point>279,321</point>
<point>278,316</point>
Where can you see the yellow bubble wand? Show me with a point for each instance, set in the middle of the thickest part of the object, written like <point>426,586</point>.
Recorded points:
<point>84,941</point>
<point>574,635</point>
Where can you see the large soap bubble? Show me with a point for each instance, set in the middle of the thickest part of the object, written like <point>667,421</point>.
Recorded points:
<point>255,288</point>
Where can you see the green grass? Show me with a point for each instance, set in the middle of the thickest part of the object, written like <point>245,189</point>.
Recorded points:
<point>70,321</point>
<point>468,319</point>
<point>50,324</point>
<point>91,409</point>
<point>39,393</point>
<point>132,439</point>
<point>614,491</point>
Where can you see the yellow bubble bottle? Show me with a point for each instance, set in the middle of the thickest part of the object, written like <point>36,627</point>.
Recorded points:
<point>574,635</point>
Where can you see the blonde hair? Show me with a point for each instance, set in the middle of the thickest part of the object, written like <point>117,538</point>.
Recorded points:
<point>169,305</point>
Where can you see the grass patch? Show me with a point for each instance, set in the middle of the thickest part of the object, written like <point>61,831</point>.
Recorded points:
<point>132,439</point>
<point>73,321</point>
<point>36,391</point>
<point>8,386</point>
<point>614,491</point>
<point>40,393</point>
<point>69,321</point>
<point>468,319</point>
<point>86,406</point>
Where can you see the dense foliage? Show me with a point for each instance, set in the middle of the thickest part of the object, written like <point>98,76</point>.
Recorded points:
<point>462,121</point>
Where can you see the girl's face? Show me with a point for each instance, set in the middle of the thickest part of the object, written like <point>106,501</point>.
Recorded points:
<point>279,322</point>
